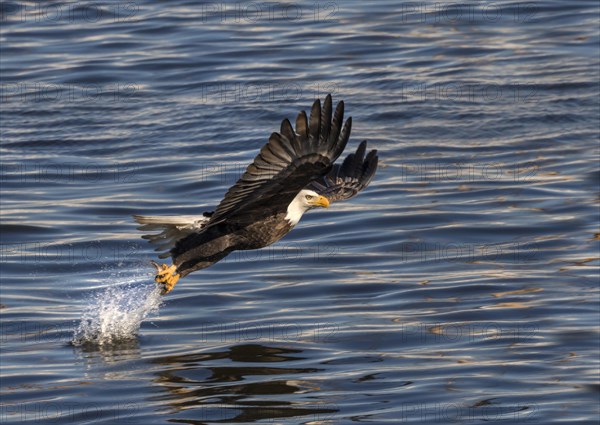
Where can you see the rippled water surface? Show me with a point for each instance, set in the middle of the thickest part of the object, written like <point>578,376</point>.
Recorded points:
<point>462,285</point>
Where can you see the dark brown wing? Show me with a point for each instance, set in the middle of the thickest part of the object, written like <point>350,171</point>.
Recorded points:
<point>288,162</point>
<point>346,180</point>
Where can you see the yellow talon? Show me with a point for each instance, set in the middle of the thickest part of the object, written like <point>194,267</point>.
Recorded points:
<point>165,276</point>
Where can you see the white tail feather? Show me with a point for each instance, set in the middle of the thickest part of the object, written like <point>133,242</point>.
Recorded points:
<point>171,229</point>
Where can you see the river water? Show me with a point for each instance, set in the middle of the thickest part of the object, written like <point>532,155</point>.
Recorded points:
<point>460,286</point>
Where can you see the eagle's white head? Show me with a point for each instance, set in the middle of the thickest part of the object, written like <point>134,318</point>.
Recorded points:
<point>304,201</point>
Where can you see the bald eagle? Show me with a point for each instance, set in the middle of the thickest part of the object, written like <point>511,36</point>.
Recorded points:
<point>293,173</point>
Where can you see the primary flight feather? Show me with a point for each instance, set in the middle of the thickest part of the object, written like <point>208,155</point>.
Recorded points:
<point>293,173</point>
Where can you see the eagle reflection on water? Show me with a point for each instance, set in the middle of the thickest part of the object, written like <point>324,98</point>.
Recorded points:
<point>229,394</point>
<point>217,386</point>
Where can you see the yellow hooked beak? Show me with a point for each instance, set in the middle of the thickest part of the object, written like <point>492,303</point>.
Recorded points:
<point>320,201</point>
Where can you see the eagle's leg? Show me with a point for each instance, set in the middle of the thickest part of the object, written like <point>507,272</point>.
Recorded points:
<point>166,276</point>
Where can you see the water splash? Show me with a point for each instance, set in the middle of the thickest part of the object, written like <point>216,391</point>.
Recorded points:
<point>115,314</point>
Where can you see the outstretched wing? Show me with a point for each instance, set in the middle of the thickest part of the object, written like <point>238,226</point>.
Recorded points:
<point>346,180</point>
<point>288,162</point>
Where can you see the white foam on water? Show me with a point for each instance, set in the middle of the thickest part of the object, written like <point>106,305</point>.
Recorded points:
<point>116,313</point>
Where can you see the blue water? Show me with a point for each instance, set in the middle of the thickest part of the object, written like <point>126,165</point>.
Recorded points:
<point>460,286</point>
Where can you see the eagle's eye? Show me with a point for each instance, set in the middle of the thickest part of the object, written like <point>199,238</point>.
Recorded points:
<point>309,197</point>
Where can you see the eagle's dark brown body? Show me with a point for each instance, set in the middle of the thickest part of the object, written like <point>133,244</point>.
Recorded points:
<point>200,250</point>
